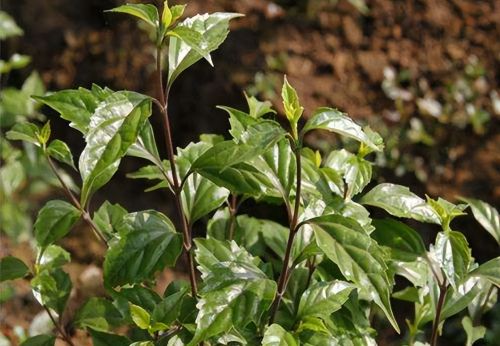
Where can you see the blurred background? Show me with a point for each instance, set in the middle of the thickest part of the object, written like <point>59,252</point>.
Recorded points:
<point>423,73</point>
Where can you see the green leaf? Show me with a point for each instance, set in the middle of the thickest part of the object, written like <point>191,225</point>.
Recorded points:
<point>275,335</point>
<point>166,16</point>
<point>213,29</point>
<point>453,255</point>
<point>108,216</point>
<point>359,258</point>
<point>76,106</point>
<point>54,221</point>
<point>33,85</point>
<point>140,316</point>
<point>61,152</point>
<point>335,121</point>
<point>12,268</point>
<point>137,295</point>
<point>44,135</point>
<point>257,109</point>
<point>107,339</point>
<point>399,201</point>
<point>52,288</point>
<point>8,26</point>
<point>293,109</point>
<point>24,132</point>
<point>145,12</point>
<point>169,309</point>
<point>52,257</point>
<point>236,291</point>
<point>489,270</point>
<point>486,215</point>
<point>405,243</point>
<point>148,243</point>
<point>323,298</point>
<point>177,12</point>
<point>40,340</point>
<point>98,314</point>
<point>445,210</point>
<point>114,127</point>
<point>474,333</point>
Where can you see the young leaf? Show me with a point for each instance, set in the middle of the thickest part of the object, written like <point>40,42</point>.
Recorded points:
<point>8,26</point>
<point>107,339</point>
<point>399,201</point>
<point>146,12</point>
<point>453,254</point>
<point>44,135</point>
<point>335,121</point>
<point>54,221</point>
<point>474,333</point>
<point>293,109</point>
<point>98,314</point>
<point>140,316</point>
<point>236,291</point>
<point>53,256</point>
<point>108,216</point>
<point>40,340</point>
<point>257,109</point>
<point>489,270</point>
<point>12,268</point>
<point>323,298</point>
<point>52,289</point>
<point>213,29</point>
<point>24,132</point>
<point>61,152</point>
<point>166,16</point>
<point>115,126</point>
<point>486,215</point>
<point>358,257</point>
<point>275,335</point>
<point>148,243</point>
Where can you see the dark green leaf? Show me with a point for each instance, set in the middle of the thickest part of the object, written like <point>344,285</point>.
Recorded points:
<point>98,314</point>
<point>405,243</point>
<point>213,29</point>
<point>399,201</point>
<point>40,340</point>
<point>275,335</point>
<point>53,256</point>
<point>148,243</point>
<point>236,291</point>
<point>61,152</point>
<point>106,339</point>
<point>54,221</point>
<point>24,132</point>
<point>169,309</point>
<point>323,298</point>
<point>108,216</point>
<point>115,126</point>
<point>12,268</point>
<point>453,255</point>
<point>52,288</point>
<point>359,258</point>
<point>138,295</point>
<point>145,12</point>
<point>486,215</point>
<point>335,121</point>
<point>489,270</point>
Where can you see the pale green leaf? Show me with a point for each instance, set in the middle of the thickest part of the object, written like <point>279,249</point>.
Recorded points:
<point>323,298</point>
<point>291,103</point>
<point>8,26</point>
<point>453,255</point>
<point>145,12</point>
<point>474,333</point>
<point>275,335</point>
<point>51,288</point>
<point>399,201</point>
<point>140,316</point>
<point>489,270</point>
<point>486,215</point>
<point>52,257</point>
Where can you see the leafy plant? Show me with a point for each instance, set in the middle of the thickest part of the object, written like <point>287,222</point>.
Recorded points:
<point>321,279</point>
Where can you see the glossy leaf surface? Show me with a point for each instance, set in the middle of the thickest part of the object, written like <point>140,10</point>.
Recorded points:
<point>54,221</point>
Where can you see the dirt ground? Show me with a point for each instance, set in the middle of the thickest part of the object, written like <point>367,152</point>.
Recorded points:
<point>333,54</point>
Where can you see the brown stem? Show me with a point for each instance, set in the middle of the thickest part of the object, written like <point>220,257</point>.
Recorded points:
<point>186,234</point>
<point>60,330</point>
<point>435,325</point>
<point>233,208</point>
<point>85,214</point>
<point>282,281</point>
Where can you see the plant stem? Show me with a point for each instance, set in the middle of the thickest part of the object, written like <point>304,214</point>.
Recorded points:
<point>282,281</point>
<point>233,208</point>
<point>60,330</point>
<point>435,326</point>
<point>85,214</point>
<point>186,233</point>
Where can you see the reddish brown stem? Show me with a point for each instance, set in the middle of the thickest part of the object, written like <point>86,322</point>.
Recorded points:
<point>60,330</point>
<point>435,325</point>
